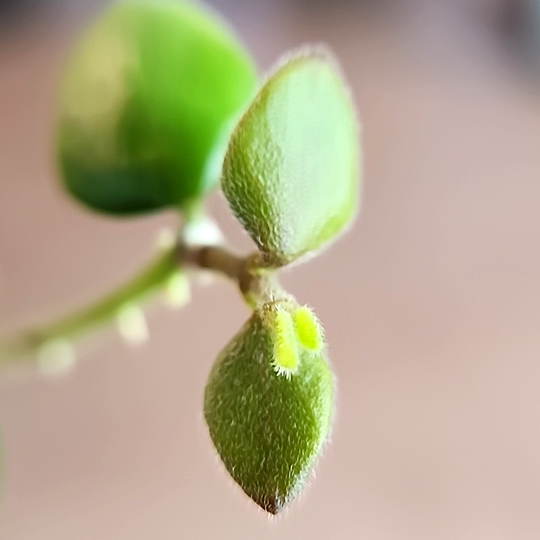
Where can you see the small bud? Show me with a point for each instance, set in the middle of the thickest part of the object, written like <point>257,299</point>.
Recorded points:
<point>132,324</point>
<point>268,429</point>
<point>308,329</point>
<point>280,324</point>
<point>177,290</point>
<point>56,357</point>
<point>202,231</point>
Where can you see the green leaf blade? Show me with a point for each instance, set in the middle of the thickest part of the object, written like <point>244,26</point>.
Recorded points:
<point>291,169</point>
<point>148,99</point>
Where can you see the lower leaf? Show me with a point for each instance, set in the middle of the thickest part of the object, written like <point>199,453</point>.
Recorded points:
<point>268,428</point>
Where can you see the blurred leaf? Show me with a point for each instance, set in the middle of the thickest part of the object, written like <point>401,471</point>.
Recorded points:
<point>267,426</point>
<point>148,98</point>
<point>291,169</point>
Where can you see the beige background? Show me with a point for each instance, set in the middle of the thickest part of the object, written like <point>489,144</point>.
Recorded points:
<point>431,304</point>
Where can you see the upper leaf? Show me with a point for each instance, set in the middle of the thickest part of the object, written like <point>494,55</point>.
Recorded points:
<point>147,102</point>
<point>290,173</point>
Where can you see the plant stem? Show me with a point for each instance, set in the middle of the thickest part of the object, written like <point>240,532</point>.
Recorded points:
<point>153,276</point>
<point>214,258</point>
<point>256,285</point>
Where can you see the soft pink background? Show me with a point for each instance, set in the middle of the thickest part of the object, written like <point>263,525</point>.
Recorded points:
<point>431,305</point>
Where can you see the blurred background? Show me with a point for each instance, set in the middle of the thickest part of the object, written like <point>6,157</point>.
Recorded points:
<point>431,302</point>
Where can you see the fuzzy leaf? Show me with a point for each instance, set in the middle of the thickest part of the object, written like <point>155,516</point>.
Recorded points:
<point>147,103</point>
<point>291,169</point>
<point>268,427</point>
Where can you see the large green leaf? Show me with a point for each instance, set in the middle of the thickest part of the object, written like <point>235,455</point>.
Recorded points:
<point>147,101</point>
<point>291,169</point>
<point>268,405</point>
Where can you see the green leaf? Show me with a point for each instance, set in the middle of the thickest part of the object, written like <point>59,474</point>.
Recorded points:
<point>147,103</point>
<point>268,425</point>
<point>291,169</point>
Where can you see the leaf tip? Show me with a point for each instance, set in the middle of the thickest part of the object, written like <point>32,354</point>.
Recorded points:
<point>272,505</point>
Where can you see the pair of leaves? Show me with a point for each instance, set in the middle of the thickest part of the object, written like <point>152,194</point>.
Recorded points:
<point>290,177</point>
<point>147,103</point>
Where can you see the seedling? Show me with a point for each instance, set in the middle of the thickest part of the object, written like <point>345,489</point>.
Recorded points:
<point>160,105</point>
